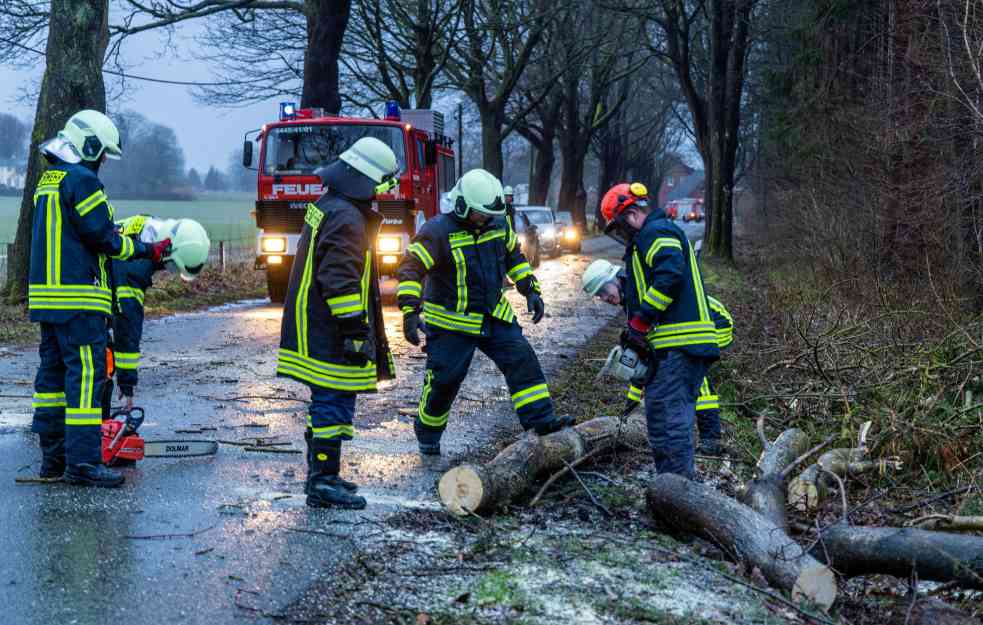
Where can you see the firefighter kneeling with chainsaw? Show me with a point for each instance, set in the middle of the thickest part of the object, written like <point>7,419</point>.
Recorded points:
<point>73,245</point>
<point>187,257</point>
<point>607,282</point>
<point>669,320</point>
<point>464,257</point>
<point>333,338</point>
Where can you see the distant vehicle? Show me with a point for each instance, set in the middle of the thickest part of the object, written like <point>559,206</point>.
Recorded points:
<point>542,217</point>
<point>688,209</point>
<point>569,236</point>
<point>528,235</point>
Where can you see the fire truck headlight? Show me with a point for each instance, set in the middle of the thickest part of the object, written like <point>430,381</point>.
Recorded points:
<point>570,234</point>
<point>388,244</point>
<point>274,260</point>
<point>390,259</point>
<point>275,245</point>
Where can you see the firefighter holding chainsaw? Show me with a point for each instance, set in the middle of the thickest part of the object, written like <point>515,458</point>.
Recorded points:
<point>453,273</point>
<point>669,320</point>
<point>332,337</point>
<point>607,282</point>
<point>73,246</point>
<point>132,278</point>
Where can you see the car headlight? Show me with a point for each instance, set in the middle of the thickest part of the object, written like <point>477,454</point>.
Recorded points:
<point>274,245</point>
<point>570,234</point>
<point>388,244</point>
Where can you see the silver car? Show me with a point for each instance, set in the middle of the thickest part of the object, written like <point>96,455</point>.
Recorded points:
<point>544,220</point>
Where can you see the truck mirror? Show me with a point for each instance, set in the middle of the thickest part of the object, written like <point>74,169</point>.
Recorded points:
<point>247,153</point>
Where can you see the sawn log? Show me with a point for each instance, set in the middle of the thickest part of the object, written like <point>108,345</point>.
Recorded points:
<point>472,488</point>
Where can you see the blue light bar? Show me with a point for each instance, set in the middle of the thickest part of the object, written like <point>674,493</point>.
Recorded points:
<point>392,110</point>
<point>288,110</point>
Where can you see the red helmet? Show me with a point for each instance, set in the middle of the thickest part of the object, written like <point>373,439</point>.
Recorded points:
<point>621,196</point>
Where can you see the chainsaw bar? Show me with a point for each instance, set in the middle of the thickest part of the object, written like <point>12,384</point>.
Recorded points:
<point>179,449</point>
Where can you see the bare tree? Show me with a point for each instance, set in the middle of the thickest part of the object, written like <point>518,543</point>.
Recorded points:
<point>495,49</point>
<point>397,50</point>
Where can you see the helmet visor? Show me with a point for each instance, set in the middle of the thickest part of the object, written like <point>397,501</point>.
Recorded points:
<point>497,207</point>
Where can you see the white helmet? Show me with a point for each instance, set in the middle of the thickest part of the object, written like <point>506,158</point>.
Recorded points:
<point>597,274</point>
<point>91,134</point>
<point>478,190</point>
<point>189,247</point>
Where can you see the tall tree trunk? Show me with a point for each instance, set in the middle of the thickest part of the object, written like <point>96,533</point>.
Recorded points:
<point>542,170</point>
<point>491,140</point>
<point>572,192</point>
<point>326,24</point>
<point>77,38</point>
<point>425,61</point>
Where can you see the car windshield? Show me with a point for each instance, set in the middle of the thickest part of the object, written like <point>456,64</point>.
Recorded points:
<point>539,217</point>
<point>301,149</point>
<point>565,218</point>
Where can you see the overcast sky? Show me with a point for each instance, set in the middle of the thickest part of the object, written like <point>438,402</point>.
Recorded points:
<point>207,134</point>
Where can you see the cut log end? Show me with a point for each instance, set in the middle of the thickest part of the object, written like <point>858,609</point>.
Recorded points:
<point>461,490</point>
<point>816,584</point>
<point>803,494</point>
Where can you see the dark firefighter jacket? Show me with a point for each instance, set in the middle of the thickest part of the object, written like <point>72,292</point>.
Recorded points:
<point>334,278</point>
<point>132,278</point>
<point>666,289</point>
<point>73,241</point>
<point>464,271</point>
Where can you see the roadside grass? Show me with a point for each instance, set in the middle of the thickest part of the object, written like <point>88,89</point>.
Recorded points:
<point>168,295</point>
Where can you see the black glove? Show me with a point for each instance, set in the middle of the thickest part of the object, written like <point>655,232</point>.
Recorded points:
<point>411,327</point>
<point>536,306</point>
<point>356,334</point>
<point>634,340</point>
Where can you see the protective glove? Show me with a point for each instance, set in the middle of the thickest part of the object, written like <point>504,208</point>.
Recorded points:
<point>411,327</point>
<point>356,351</point>
<point>536,306</point>
<point>127,394</point>
<point>633,337</point>
<point>356,334</point>
<point>159,250</point>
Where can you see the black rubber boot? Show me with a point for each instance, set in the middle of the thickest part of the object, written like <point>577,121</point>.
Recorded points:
<point>554,425</point>
<point>351,487</point>
<point>324,488</point>
<point>52,456</point>
<point>92,475</point>
<point>710,448</point>
<point>428,439</point>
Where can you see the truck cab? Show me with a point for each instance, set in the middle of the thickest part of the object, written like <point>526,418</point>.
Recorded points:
<point>291,149</point>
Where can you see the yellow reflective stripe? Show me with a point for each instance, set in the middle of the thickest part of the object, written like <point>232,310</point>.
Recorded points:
<point>366,275</point>
<point>408,309</point>
<point>48,400</point>
<point>725,338</point>
<point>83,416</point>
<point>491,236</point>
<point>341,384</point>
<point>504,311</point>
<point>322,367</point>
<point>529,395</point>
<point>634,393</point>
<point>638,274</point>
<point>68,304</point>
<point>132,226</point>
<point>89,203</point>
<point>656,299</point>
<point>88,376</point>
<point>333,431</point>
<point>658,244</point>
<point>707,400</point>
<point>410,288</point>
<point>512,240</point>
<point>701,297</point>
<point>129,292</point>
<point>344,305</point>
<point>434,421</point>
<point>126,249</point>
<point>127,360</point>
<point>520,271</point>
<point>461,273</point>
<point>437,315</point>
<point>421,252</point>
<point>300,307</point>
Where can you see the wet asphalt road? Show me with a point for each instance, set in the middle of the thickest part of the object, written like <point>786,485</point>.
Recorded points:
<point>183,540</point>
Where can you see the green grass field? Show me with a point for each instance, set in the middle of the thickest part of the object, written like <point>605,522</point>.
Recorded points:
<point>224,215</point>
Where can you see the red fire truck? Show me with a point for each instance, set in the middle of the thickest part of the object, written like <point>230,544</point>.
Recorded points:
<point>302,140</point>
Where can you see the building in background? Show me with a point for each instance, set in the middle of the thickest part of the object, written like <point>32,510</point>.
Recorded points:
<point>12,174</point>
<point>682,182</point>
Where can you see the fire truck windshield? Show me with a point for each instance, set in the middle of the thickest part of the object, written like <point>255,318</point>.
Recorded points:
<point>301,149</point>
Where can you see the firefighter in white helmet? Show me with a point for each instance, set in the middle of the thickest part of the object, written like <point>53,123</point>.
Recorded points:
<point>186,258</point>
<point>73,246</point>
<point>606,281</point>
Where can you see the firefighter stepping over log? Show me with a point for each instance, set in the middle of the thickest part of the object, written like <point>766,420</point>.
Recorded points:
<point>73,245</point>
<point>453,273</point>
<point>332,337</point>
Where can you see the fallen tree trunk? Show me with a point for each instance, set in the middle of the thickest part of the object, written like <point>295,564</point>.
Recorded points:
<point>934,556</point>
<point>766,492</point>
<point>472,488</point>
<point>744,533</point>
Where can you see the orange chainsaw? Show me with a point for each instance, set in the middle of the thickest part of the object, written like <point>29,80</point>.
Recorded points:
<point>123,445</point>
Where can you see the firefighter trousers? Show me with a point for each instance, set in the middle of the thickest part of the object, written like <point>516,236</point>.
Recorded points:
<point>68,385</point>
<point>449,357</point>
<point>708,413</point>
<point>670,410</point>
<point>331,414</point>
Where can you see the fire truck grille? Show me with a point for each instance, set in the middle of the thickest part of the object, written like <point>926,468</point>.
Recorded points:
<point>274,216</point>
